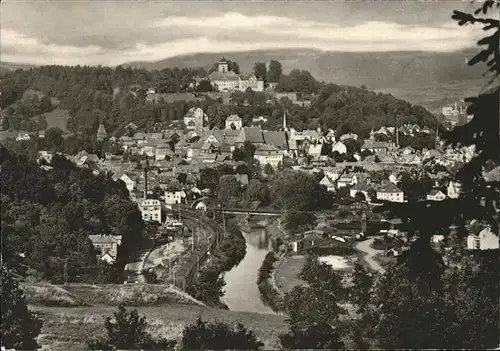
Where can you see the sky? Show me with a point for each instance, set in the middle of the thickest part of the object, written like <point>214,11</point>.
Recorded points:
<point>71,32</point>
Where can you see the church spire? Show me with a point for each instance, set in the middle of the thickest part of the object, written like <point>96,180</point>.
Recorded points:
<point>284,120</point>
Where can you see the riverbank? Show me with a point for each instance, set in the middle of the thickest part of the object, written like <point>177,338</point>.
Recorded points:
<point>207,286</point>
<point>266,281</point>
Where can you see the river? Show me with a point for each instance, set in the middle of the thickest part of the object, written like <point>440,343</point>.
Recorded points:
<point>241,290</point>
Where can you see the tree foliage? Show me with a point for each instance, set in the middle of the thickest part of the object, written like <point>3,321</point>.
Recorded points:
<point>314,310</point>
<point>260,70</point>
<point>128,330</point>
<point>20,326</point>
<point>47,216</point>
<point>218,336</point>
<point>299,191</point>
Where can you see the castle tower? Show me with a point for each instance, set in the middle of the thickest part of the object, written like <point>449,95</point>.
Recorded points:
<point>223,66</point>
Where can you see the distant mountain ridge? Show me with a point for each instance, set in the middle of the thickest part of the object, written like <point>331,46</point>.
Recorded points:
<point>376,70</point>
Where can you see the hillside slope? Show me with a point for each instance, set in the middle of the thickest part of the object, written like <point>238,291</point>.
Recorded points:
<point>69,328</point>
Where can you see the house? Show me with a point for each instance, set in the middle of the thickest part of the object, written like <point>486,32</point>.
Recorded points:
<point>242,179</point>
<point>129,180</point>
<point>347,180</point>
<point>328,182</point>
<point>107,245</point>
<point>195,118</point>
<point>260,119</point>
<point>45,155</point>
<point>339,147</point>
<point>132,125</point>
<point>436,195</point>
<point>22,136</point>
<point>139,138</point>
<point>268,154</point>
<point>174,197</point>
<point>377,147</point>
<point>390,192</point>
<point>162,151</point>
<point>201,206</point>
<point>453,190</point>
<point>151,210</point>
<point>315,150</point>
<point>253,135</point>
<point>484,240</point>
<point>393,178</point>
<point>348,136</point>
<point>234,122</point>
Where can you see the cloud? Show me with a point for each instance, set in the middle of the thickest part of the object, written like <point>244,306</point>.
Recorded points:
<point>231,31</point>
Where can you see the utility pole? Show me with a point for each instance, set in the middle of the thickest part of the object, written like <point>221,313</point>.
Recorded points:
<point>146,169</point>
<point>65,271</point>
<point>223,224</point>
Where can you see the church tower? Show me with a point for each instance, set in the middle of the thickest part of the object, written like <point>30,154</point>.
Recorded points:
<point>284,121</point>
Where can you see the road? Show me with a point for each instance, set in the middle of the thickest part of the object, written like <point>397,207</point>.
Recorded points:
<point>370,252</point>
<point>138,266</point>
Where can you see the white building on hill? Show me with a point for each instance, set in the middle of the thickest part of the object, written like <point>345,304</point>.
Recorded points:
<point>225,80</point>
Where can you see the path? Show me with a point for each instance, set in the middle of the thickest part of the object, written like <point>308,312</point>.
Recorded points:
<point>370,252</point>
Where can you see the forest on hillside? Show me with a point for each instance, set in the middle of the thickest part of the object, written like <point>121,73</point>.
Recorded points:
<point>116,96</point>
<point>48,215</point>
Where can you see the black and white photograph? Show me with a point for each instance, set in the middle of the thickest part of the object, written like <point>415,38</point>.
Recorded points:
<point>250,174</point>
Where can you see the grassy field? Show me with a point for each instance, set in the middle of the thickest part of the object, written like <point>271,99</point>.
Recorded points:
<point>57,118</point>
<point>287,274</point>
<point>69,328</point>
<point>77,295</point>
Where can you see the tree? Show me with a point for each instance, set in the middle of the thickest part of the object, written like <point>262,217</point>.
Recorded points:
<point>260,70</point>
<point>275,71</point>
<point>372,194</point>
<point>299,221</point>
<point>245,153</point>
<point>127,330</point>
<point>258,191</point>
<point>228,188</point>
<point>268,169</point>
<point>299,191</point>
<point>359,196</point>
<point>20,326</point>
<point>53,136</point>
<point>218,336</point>
<point>361,287</point>
<point>204,86</point>
<point>314,310</point>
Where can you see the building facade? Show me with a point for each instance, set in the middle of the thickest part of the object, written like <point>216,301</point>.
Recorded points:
<point>151,210</point>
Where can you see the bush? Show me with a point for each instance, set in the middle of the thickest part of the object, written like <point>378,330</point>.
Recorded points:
<point>267,267</point>
<point>218,336</point>
<point>127,331</point>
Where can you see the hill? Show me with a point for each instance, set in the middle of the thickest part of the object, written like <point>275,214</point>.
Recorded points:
<point>69,328</point>
<point>12,66</point>
<point>407,75</point>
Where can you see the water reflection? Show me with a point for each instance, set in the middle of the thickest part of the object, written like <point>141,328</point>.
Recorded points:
<point>241,290</point>
<point>258,238</point>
